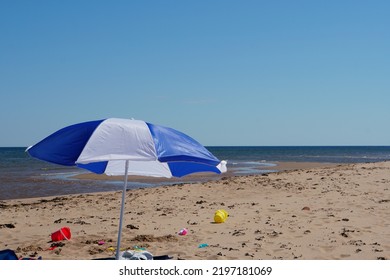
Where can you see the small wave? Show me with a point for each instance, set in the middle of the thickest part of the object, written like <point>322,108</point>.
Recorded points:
<point>254,163</point>
<point>250,171</point>
<point>59,173</point>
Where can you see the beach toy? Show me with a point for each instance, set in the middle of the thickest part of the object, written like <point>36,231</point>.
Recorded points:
<point>203,245</point>
<point>61,234</point>
<point>136,248</point>
<point>183,231</point>
<point>220,216</point>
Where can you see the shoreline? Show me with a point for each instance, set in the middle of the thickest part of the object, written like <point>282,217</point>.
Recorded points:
<point>78,181</point>
<point>205,177</point>
<point>326,212</point>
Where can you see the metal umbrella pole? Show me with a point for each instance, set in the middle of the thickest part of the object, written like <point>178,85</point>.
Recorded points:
<point>122,211</point>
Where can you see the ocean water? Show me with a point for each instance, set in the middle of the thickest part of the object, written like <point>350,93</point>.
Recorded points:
<point>22,176</point>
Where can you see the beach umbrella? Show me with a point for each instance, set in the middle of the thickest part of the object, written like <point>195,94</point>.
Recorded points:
<point>126,147</point>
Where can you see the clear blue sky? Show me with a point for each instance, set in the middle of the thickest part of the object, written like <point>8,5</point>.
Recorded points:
<point>224,72</point>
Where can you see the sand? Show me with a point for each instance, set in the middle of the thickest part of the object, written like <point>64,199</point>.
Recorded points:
<point>316,213</point>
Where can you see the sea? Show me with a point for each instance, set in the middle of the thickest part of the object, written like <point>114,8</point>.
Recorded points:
<point>22,176</point>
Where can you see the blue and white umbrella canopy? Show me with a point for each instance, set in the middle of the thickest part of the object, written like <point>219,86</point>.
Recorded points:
<point>126,147</point>
<point>104,146</point>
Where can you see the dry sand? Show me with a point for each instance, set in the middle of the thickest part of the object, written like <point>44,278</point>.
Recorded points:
<point>326,213</point>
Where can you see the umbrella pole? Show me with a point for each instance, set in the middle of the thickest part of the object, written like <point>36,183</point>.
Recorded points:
<point>122,210</point>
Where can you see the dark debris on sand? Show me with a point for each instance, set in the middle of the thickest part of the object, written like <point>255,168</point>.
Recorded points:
<point>152,238</point>
<point>7,226</point>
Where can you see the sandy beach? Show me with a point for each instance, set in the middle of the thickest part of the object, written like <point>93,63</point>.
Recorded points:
<point>304,212</point>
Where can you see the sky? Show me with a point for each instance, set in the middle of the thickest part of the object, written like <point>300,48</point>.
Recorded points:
<point>227,73</point>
